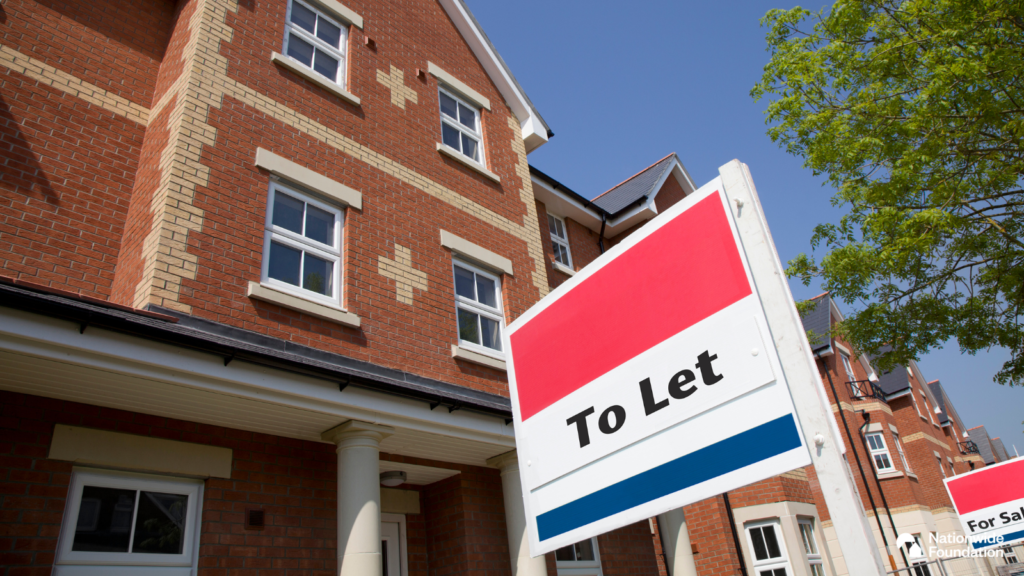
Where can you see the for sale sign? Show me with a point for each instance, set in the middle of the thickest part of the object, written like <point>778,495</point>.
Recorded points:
<point>648,381</point>
<point>990,502</point>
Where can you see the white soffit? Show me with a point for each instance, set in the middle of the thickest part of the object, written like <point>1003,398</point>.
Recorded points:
<point>416,474</point>
<point>534,132</point>
<point>54,379</point>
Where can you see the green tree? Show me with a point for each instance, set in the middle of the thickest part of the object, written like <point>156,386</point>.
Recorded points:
<point>912,111</point>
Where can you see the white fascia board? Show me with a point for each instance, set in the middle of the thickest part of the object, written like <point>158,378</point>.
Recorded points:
<point>565,206</point>
<point>534,133</point>
<point>60,340</point>
<point>645,212</point>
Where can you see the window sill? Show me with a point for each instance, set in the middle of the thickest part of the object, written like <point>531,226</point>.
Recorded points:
<point>456,155</point>
<point>274,296</point>
<point>563,269</point>
<point>286,62</point>
<point>461,353</point>
<point>889,475</point>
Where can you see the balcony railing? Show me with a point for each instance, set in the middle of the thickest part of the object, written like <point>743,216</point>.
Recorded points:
<point>866,389</point>
<point>967,447</point>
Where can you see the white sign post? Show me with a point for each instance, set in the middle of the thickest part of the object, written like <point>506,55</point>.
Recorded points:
<point>672,369</point>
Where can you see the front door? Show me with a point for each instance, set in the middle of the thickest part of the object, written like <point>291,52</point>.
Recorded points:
<point>390,549</point>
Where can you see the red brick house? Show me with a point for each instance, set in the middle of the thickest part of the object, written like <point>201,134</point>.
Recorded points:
<point>255,260</point>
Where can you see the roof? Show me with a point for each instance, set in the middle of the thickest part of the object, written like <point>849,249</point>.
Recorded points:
<point>894,381</point>
<point>640,185</point>
<point>999,449</point>
<point>980,437</point>
<point>535,130</point>
<point>818,322</point>
<point>940,400</point>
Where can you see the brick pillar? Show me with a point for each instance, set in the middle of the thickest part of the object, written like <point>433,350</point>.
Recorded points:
<point>358,496</point>
<point>515,518</point>
<point>711,534</point>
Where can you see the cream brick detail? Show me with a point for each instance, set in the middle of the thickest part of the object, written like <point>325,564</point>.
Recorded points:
<point>923,436</point>
<point>396,83</point>
<point>203,84</point>
<point>401,271</point>
<point>69,84</point>
<point>798,474</point>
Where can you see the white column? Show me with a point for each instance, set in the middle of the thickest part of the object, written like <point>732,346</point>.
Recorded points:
<point>515,518</point>
<point>358,496</point>
<point>675,540</point>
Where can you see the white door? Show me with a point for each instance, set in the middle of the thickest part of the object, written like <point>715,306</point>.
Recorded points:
<point>390,549</point>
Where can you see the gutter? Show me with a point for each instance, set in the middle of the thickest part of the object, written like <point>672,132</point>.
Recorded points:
<point>867,420</point>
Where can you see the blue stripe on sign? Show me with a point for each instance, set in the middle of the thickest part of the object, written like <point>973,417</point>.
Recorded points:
<point>1006,538</point>
<point>746,448</point>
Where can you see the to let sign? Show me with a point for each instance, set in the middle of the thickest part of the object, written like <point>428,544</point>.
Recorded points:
<point>648,381</point>
<point>990,502</point>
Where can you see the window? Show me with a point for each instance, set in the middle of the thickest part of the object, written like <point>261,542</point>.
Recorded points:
<point>942,469</point>
<point>857,392</point>
<point>1009,555</point>
<point>128,520</point>
<point>879,452</point>
<point>316,41</point>
<point>952,470</point>
<point>559,241</point>
<point>914,402</point>
<point>579,559</point>
<point>811,546</point>
<point>460,126</point>
<point>899,449</point>
<point>478,305</point>
<point>920,564</point>
<point>302,246</point>
<point>765,539</point>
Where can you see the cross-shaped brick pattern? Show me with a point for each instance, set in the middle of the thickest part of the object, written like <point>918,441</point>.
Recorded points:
<point>399,91</point>
<point>401,271</point>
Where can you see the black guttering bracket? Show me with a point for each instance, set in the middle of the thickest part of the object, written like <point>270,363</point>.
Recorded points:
<point>170,327</point>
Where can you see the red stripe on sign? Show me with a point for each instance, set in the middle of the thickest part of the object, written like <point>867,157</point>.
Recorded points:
<point>989,487</point>
<point>684,272</point>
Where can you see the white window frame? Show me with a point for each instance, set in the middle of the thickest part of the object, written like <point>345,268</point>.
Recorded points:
<point>563,242</point>
<point>300,242</point>
<point>498,314</point>
<point>903,456</point>
<point>339,52</point>
<point>880,451</point>
<point>69,562</point>
<point>919,566</point>
<point>952,469</point>
<point>913,400</point>
<point>849,374</point>
<point>815,558</point>
<point>581,567</point>
<point>478,135</point>
<point>769,563</point>
<point>942,469</point>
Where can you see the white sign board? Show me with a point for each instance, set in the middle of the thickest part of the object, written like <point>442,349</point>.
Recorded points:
<point>990,502</point>
<point>649,380</point>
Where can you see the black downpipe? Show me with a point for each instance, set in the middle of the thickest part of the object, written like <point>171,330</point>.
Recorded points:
<point>600,236</point>
<point>867,419</point>
<point>856,458</point>
<point>735,536</point>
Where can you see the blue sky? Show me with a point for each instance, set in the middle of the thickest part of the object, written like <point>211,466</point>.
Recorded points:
<point>624,84</point>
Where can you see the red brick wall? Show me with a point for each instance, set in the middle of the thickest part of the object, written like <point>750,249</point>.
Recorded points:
<point>774,489</point>
<point>670,193</point>
<point>461,529</point>
<point>710,531</point>
<point>628,551</point>
<point>65,187</point>
<point>114,44</point>
<point>139,219</point>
